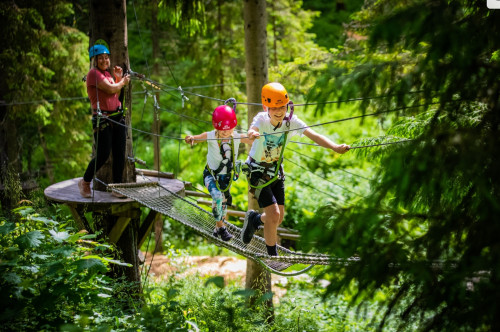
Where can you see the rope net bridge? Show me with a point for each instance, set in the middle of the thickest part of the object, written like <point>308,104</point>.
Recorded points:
<point>161,199</point>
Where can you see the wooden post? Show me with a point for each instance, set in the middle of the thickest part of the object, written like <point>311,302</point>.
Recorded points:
<point>158,228</point>
<point>108,22</point>
<point>255,20</point>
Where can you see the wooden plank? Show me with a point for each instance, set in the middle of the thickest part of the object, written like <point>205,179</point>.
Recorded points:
<point>146,226</point>
<point>203,202</point>
<point>126,210</point>
<point>285,233</point>
<point>117,230</point>
<point>233,213</point>
<point>197,194</point>
<point>123,210</point>
<point>152,173</point>
<point>289,236</point>
<point>288,230</point>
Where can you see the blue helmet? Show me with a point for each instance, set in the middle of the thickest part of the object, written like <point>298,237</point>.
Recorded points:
<point>97,49</point>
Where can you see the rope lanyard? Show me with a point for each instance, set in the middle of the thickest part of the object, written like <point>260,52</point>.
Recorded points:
<point>231,174</point>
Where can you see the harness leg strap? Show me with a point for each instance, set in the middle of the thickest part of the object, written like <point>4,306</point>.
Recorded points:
<point>256,191</point>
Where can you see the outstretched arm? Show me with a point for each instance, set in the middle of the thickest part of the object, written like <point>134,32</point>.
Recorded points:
<point>325,142</point>
<point>192,139</point>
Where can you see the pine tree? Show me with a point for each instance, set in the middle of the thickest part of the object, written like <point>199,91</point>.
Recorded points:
<point>428,235</point>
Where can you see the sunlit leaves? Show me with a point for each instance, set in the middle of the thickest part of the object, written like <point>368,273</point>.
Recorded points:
<point>90,264</point>
<point>29,240</point>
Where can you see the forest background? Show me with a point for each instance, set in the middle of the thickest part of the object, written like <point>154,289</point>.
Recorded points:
<point>422,215</point>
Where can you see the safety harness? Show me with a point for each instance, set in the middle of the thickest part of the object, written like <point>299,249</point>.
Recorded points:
<point>230,169</point>
<point>265,179</point>
<point>98,113</point>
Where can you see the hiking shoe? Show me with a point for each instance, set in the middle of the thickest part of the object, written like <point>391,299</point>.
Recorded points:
<point>250,226</point>
<point>223,233</point>
<point>84,188</point>
<point>117,194</point>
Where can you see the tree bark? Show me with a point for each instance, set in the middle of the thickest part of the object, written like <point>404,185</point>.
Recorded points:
<point>255,20</point>
<point>49,166</point>
<point>108,21</point>
<point>10,159</point>
<point>220,43</point>
<point>156,126</point>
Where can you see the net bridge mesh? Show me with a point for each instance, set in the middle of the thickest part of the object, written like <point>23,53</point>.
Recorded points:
<point>160,199</point>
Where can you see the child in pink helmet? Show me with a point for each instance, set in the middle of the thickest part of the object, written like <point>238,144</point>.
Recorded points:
<point>222,153</point>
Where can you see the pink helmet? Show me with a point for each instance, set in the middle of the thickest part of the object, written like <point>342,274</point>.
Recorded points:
<point>224,118</point>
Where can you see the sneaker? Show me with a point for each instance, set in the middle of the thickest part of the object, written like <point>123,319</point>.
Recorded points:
<point>224,234</point>
<point>84,188</point>
<point>250,226</point>
<point>117,194</point>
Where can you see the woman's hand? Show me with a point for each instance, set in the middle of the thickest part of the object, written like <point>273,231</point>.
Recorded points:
<point>118,73</point>
<point>126,80</point>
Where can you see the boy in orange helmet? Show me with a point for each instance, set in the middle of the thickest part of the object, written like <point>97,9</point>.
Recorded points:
<point>265,161</point>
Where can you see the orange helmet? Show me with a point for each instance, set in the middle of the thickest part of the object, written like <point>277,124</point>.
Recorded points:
<point>274,95</point>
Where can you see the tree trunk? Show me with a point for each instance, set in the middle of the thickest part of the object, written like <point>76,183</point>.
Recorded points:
<point>220,43</point>
<point>10,159</point>
<point>108,22</point>
<point>255,20</point>
<point>49,166</point>
<point>158,228</point>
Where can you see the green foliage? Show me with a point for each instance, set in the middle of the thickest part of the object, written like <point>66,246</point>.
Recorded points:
<point>329,26</point>
<point>187,15</point>
<point>43,59</point>
<point>425,234</point>
<point>49,273</point>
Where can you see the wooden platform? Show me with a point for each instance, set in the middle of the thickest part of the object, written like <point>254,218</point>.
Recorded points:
<point>67,192</point>
<point>125,209</point>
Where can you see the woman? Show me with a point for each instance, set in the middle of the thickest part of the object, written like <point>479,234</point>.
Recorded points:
<point>109,136</point>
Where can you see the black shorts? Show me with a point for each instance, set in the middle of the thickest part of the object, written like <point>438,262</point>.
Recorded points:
<point>273,193</point>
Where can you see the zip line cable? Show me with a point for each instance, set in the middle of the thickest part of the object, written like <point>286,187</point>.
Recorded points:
<point>337,121</point>
<point>183,115</point>
<point>140,37</point>
<point>361,146</point>
<point>326,164</point>
<point>315,125</point>
<point>324,178</point>
<point>33,102</point>
<point>316,189</point>
<point>158,145</point>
